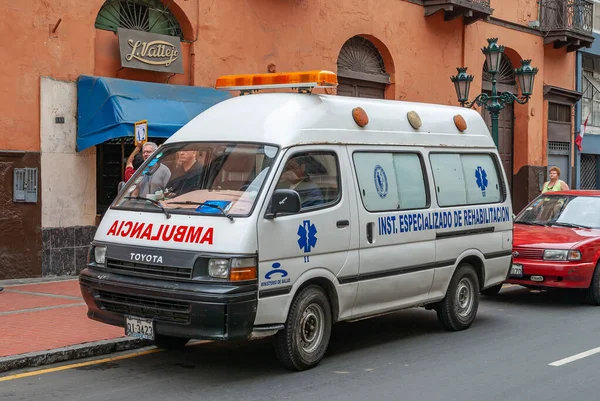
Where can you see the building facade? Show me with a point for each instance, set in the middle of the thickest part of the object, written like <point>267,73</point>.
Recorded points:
<point>587,161</point>
<point>61,155</point>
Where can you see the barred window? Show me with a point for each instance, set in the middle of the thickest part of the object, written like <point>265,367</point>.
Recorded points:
<point>559,112</point>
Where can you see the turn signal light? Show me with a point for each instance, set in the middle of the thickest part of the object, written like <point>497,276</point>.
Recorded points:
<point>243,273</point>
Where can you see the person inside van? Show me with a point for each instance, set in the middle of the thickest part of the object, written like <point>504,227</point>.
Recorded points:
<point>187,173</point>
<point>295,176</point>
<point>157,176</point>
<point>555,183</point>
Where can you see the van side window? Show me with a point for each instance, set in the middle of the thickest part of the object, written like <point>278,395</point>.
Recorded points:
<point>465,179</point>
<point>314,175</point>
<point>390,181</point>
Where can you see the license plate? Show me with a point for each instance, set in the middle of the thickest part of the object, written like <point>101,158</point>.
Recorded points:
<point>516,270</point>
<point>138,327</point>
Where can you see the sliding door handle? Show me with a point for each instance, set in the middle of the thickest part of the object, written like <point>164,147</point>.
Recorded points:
<point>370,232</point>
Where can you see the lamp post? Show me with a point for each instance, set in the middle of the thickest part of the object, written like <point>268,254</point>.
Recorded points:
<point>494,103</point>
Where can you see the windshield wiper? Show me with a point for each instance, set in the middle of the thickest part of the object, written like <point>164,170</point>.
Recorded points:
<point>203,204</point>
<point>155,203</point>
<point>571,225</point>
<point>531,223</point>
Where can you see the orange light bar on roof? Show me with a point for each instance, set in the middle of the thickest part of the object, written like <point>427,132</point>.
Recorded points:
<point>304,79</point>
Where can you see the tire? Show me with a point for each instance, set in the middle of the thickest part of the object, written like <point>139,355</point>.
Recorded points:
<point>494,290</point>
<point>169,342</point>
<point>458,309</point>
<point>302,343</point>
<point>593,293</point>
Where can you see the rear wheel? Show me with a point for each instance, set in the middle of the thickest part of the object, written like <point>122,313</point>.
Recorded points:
<point>304,340</point>
<point>169,342</point>
<point>458,309</point>
<point>494,290</point>
<point>593,296</point>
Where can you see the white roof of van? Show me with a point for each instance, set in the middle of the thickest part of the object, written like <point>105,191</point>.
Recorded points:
<point>288,119</point>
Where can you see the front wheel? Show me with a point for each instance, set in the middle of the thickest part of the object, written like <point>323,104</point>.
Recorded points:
<point>593,296</point>
<point>304,340</point>
<point>458,309</point>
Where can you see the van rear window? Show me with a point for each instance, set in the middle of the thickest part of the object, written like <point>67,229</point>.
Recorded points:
<point>466,179</point>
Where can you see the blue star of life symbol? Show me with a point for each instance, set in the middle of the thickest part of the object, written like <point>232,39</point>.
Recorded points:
<point>307,234</point>
<point>481,179</point>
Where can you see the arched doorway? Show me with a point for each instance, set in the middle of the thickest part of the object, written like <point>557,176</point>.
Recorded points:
<point>151,16</point>
<point>506,82</point>
<point>361,70</point>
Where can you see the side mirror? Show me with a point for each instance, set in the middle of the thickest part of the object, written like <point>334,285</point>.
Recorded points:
<point>284,202</point>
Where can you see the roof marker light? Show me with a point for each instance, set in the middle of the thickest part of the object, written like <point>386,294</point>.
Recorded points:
<point>360,116</point>
<point>460,122</point>
<point>414,119</point>
<point>304,81</point>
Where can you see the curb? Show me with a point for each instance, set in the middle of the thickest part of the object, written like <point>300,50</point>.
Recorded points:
<point>86,350</point>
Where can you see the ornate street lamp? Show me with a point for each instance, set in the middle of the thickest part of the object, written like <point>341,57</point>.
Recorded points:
<point>494,103</point>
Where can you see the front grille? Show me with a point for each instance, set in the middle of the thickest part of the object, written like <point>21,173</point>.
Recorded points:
<point>141,269</point>
<point>152,308</point>
<point>529,253</point>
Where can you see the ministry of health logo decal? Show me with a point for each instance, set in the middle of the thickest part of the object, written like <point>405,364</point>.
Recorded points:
<point>381,182</point>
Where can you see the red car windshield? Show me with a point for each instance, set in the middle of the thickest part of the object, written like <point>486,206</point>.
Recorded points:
<point>562,210</point>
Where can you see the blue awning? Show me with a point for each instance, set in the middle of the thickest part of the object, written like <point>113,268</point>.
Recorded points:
<point>107,108</point>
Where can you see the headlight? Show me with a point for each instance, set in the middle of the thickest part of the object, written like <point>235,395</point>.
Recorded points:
<point>100,255</point>
<point>218,268</point>
<point>561,254</point>
<point>235,269</point>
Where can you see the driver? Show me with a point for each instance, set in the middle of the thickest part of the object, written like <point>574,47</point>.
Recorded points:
<point>294,177</point>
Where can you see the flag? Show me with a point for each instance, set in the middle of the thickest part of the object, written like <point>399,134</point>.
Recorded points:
<point>579,138</point>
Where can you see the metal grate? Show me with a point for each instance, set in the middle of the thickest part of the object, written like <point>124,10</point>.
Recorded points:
<point>505,75</point>
<point>528,253</point>
<point>145,270</point>
<point>25,187</point>
<point>577,15</point>
<point>152,308</point>
<point>140,15</point>
<point>559,148</point>
<point>588,171</point>
<point>360,55</point>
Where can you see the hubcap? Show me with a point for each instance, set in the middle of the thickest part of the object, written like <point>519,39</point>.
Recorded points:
<point>464,297</point>
<point>311,328</point>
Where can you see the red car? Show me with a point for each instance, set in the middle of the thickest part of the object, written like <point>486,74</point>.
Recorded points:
<point>556,243</point>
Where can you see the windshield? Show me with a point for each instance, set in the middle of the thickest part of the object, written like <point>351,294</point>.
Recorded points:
<point>569,211</point>
<point>204,178</point>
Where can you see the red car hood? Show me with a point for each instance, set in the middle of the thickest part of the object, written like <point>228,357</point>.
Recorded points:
<point>551,237</point>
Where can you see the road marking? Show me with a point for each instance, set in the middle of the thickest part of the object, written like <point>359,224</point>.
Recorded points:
<point>41,308</point>
<point>575,357</point>
<point>77,365</point>
<point>43,294</point>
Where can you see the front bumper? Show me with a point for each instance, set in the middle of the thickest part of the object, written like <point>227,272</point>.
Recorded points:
<point>212,311</point>
<point>555,274</point>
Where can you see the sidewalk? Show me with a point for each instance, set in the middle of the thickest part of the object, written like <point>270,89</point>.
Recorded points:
<point>45,322</point>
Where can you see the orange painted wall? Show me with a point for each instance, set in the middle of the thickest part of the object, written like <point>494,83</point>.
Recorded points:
<point>518,11</point>
<point>230,36</point>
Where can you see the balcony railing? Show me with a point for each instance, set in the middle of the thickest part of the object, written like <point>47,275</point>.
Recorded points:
<point>470,10</point>
<point>576,15</point>
<point>567,23</point>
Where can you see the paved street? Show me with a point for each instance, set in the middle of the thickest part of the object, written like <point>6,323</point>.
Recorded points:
<point>504,356</point>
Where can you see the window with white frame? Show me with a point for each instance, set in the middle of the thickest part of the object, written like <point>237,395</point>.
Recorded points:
<point>597,16</point>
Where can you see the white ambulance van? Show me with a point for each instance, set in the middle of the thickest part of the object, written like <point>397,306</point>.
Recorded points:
<point>280,214</point>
